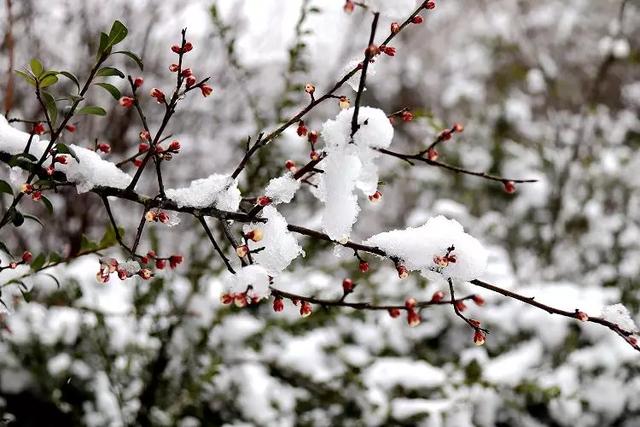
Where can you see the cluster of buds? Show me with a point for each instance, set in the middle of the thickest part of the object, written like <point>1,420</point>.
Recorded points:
<point>446,134</point>
<point>509,187</point>
<point>38,128</point>
<point>124,270</point>
<point>157,216</point>
<point>161,263</point>
<point>413,317</point>
<point>375,197</point>
<point>443,261</point>
<point>29,189</point>
<point>158,95</point>
<point>240,299</point>
<point>167,154</point>
<point>24,259</point>
<point>186,47</point>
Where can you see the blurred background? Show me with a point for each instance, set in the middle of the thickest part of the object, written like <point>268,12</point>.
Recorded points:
<point>546,89</point>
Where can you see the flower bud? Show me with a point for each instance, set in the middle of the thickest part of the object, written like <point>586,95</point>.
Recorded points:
<point>349,5</point>
<point>417,19</point>
<point>403,273</point>
<point>305,309</point>
<point>432,154</point>
<point>363,266</point>
<point>206,90</point>
<point>27,257</point>
<point>457,127</point>
<point>314,155</point>
<point>344,102</point>
<point>138,81</point>
<point>278,304</point>
<point>242,251</point>
<point>160,264</point>
<point>126,102</point>
<point>264,201</point>
<point>302,129</point>
<point>145,273</point>
<point>437,296</point>
<point>191,80</point>
<point>410,303</point>
<point>375,197</point>
<point>144,135</point>
<point>309,88</point>
<point>478,300</point>
<point>509,187</point>
<point>413,318</point>
<point>176,49</point>
<point>105,148</point>
<point>290,165</point>
<point>312,137</point>
<point>479,337</point>
<point>38,128</point>
<point>188,47</point>
<point>227,298</point>
<point>395,28</point>
<point>394,312</point>
<point>71,128</point>
<point>407,116</point>
<point>186,72</point>
<point>581,316</point>
<point>174,67</point>
<point>158,95</point>
<point>255,234</point>
<point>429,4</point>
<point>174,260</point>
<point>460,306</point>
<point>36,196</point>
<point>347,286</point>
<point>174,146</point>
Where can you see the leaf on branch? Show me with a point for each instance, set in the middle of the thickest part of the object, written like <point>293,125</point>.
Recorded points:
<point>114,91</point>
<point>117,33</point>
<point>27,77</point>
<point>48,80</point>
<point>52,108</point>
<point>133,56</point>
<point>92,109</point>
<point>36,67</point>
<point>71,77</point>
<point>47,204</point>
<point>34,218</point>
<point>5,187</point>
<point>110,71</point>
<point>38,262</point>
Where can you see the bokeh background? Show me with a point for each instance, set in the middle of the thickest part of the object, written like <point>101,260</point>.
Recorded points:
<point>546,89</point>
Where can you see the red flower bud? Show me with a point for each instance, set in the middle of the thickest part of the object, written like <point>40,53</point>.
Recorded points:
<point>143,147</point>
<point>227,298</point>
<point>349,5</point>
<point>290,165</point>
<point>13,265</point>
<point>242,251</point>
<point>126,101</point>
<point>432,154</point>
<point>191,80</point>
<point>410,303</point>
<point>158,95</point>
<point>314,155</point>
<point>278,304</point>
<point>364,266</point>
<point>255,235</point>
<point>174,260</point>
<point>176,49</point>
<point>509,187</point>
<point>417,19</point>
<point>437,296</point>
<point>305,309</point>
<point>36,196</point>
<point>144,136</point>
<point>429,4</point>
<point>264,201</point>
<point>394,312</point>
<point>413,318</point>
<point>403,273</point>
<point>395,27</point>
<point>407,116</point>
<point>581,316</point>
<point>347,286</point>
<point>27,256</point>
<point>38,128</point>
<point>457,127</point>
<point>174,67</point>
<point>174,146</point>
<point>312,137</point>
<point>206,90</point>
<point>138,81</point>
<point>160,264</point>
<point>163,217</point>
<point>105,148</point>
<point>71,128</point>
<point>137,162</point>
<point>479,337</point>
<point>478,300</point>
<point>388,50</point>
<point>61,159</point>
<point>375,197</point>
<point>302,129</point>
<point>186,72</point>
<point>188,47</point>
<point>461,306</point>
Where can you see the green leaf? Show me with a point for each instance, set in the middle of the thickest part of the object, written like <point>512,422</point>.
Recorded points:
<point>47,204</point>
<point>109,71</point>
<point>38,262</point>
<point>25,294</point>
<point>103,49</point>
<point>117,33</point>
<point>34,218</point>
<point>27,77</point>
<point>109,237</point>
<point>65,149</point>
<point>92,109</point>
<point>87,245</point>
<point>133,56</point>
<point>49,80</point>
<point>71,77</point>
<point>55,257</point>
<point>52,108</point>
<point>36,67</point>
<point>16,157</point>
<point>114,91</point>
<point>16,218</point>
<point>5,187</point>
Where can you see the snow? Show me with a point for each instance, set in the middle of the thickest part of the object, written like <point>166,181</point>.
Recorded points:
<point>218,190</point>
<point>254,275</point>
<point>92,171</point>
<point>281,246</point>
<point>418,246</point>
<point>350,166</point>
<point>388,372</point>
<point>282,189</point>
<point>618,314</point>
